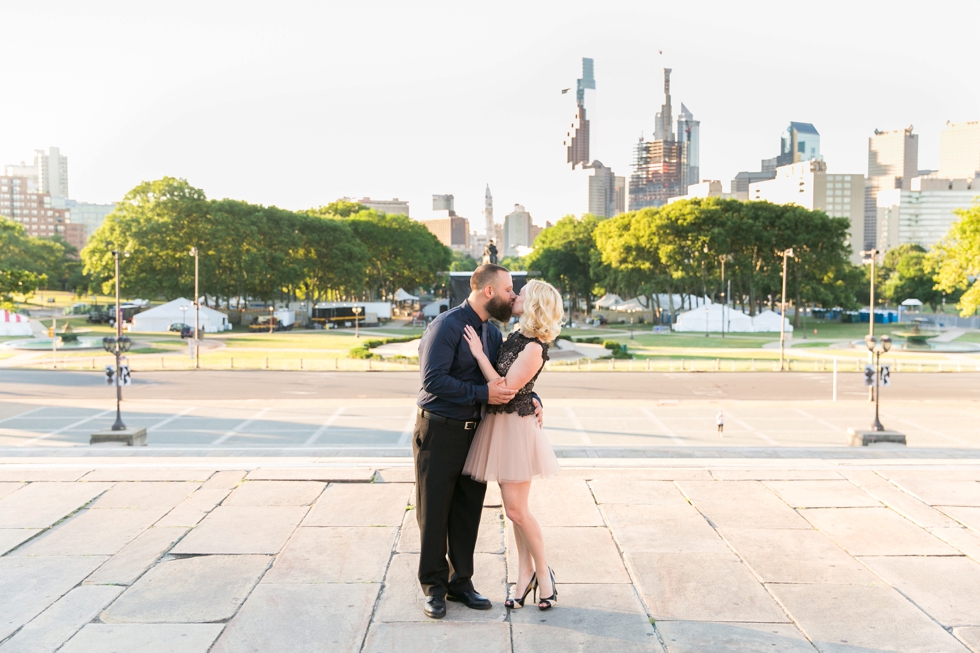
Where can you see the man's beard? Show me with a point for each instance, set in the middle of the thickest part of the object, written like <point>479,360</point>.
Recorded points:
<point>499,309</point>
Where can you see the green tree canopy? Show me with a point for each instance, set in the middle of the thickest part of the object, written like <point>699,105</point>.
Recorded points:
<point>566,256</point>
<point>956,260</point>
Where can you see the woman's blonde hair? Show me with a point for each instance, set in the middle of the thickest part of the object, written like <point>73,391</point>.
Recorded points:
<point>544,312</point>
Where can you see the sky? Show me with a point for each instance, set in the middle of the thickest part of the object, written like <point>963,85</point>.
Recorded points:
<point>297,104</point>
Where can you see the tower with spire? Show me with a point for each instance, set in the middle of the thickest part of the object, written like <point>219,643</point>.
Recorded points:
<point>660,166</point>
<point>488,214</point>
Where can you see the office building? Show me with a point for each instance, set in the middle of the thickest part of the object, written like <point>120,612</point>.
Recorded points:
<point>808,184</point>
<point>84,213</point>
<point>703,190</point>
<point>34,210</point>
<point>52,172</point>
<point>391,207</point>
<point>24,170</point>
<point>893,160</point>
<point>689,131</point>
<point>452,231</point>
<point>959,150</point>
<point>577,139</point>
<point>607,192</point>
<point>740,184</point>
<point>799,142</point>
<point>922,214</point>
<point>444,203</point>
<point>517,234</point>
<point>660,166</point>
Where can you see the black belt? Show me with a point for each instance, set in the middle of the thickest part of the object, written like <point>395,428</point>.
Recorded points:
<point>439,419</point>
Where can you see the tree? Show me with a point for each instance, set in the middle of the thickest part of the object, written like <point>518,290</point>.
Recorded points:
<point>332,258</point>
<point>956,260</point>
<point>909,275</point>
<point>566,256</point>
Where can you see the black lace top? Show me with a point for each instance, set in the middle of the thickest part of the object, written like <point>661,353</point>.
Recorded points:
<point>508,353</point>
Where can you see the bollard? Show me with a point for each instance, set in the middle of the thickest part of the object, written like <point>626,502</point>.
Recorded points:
<point>266,362</point>
<point>231,363</point>
<point>301,363</point>
<point>612,364</point>
<point>753,365</point>
<point>648,365</point>
<point>835,378</point>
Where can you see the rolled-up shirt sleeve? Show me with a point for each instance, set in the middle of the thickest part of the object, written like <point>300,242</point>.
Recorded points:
<point>440,346</point>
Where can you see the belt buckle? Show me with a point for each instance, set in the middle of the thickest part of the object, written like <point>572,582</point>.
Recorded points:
<point>469,426</point>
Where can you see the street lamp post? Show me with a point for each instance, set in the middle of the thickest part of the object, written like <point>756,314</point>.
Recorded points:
<point>183,315</point>
<point>782,318</point>
<point>876,349</point>
<point>272,317</point>
<point>197,313</point>
<point>724,297</point>
<point>357,312</point>
<point>871,257</point>
<point>117,346</point>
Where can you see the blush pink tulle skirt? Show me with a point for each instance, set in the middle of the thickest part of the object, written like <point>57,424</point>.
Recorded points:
<point>508,448</point>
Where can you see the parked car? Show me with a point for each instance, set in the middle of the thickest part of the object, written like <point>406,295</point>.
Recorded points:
<point>186,331</point>
<point>178,327</point>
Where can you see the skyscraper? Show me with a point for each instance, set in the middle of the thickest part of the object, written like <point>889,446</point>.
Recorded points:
<point>799,142</point>
<point>577,140</point>
<point>488,214</point>
<point>893,160</point>
<point>52,172</point>
<point>959,150</point>
<point>660,166</point>
<point>517,232</point>
<point>607,192</point>
<point>689,131</point>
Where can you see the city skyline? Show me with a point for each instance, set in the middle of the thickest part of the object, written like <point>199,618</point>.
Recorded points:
<point>230,98</point>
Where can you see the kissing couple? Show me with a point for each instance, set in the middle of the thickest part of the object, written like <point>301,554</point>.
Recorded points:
<point>479,420</point>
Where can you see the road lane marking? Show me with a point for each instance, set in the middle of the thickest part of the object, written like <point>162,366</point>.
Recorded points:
<point>323,427</point>
<point>7,419</point>
<point>802,412</point>
<point>745,425</point>
<point>66,428</point>
<point>577,425</point>
<point>951,438</point>
<point>235,431</point>
<point>660,425</point>
<point>406,436</point>
<point>157,426</point>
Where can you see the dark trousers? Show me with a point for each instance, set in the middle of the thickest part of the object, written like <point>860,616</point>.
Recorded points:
<point>448,506</point>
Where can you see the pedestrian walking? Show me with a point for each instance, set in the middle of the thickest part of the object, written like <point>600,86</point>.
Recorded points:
<point>721,424</point>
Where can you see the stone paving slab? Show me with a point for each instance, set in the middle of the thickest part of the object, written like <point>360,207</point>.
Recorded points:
<point>402,600</point>
<point>136,557</point>
<point>677,529</point>
<point>701,587</point>
<point>863,618</point>
<point>822,494</point>
<point>242,529</point>
<point>970,637</point>
<point>275,493</point>
<point>193,509</point>
<point>325,474</point>
<point>396,475</point>
<point>655,493</point>
<point>741,504</point>
<point>145,638</point>
<point>201,589</point>
<point>376,504</point>
<point>563,501</point>
<point>577,554</point>
<point>774,475</point>
<point>41,504</point>
<point>39,582</point>
<point>64,618</point>
<point>438,636</point>
<point>901,502</point>
<point>7,488</point>
<point>941,492</point>
<point>27,475</point>
<point>588,618</point>
<point>11,538</point>
<point>946,588</point>
<point>969,517</point>
<point>225,480</point>
<point>335,554</point>
<point>789,555</point>
<point>701,637</point>
<point>148,474</point>
<point>320,617</point>
<point>93,532</point>
<point>961,539</point>
<point>147,494</point>
<point>875,532</point>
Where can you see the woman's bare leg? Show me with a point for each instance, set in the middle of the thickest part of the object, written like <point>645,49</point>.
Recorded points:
<point>515,504</point>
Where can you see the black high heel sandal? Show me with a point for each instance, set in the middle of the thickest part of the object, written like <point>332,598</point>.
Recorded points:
<point>518,603</point>
<point>548,602</point>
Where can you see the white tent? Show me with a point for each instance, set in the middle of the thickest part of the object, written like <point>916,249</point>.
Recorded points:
<point>768,321</point>
<point>734,320</point>
<point>911,302</point>
<point>402,296</point>
<point>14,324</point>
<point>608,301</point>
<point>161,317</point>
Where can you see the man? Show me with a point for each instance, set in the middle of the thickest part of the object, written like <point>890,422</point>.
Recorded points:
<point>450,405</point>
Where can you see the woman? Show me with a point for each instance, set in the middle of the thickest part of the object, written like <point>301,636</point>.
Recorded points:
<point>509,447</point>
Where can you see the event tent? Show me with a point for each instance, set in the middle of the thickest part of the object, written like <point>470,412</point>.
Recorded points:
<point>161,317</point>
<point>734,319</point>
<point>768,321</point>
<point>14,324</point>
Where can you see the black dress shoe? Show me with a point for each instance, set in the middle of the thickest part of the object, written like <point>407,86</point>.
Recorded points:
<point>435,607</point>
<point>471,599</point>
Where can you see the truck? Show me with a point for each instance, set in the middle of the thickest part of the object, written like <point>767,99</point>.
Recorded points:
<point>282,320</point>
<point>340,315</point>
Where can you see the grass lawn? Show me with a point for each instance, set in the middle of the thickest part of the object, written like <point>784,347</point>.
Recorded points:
<point>42,299</point>
<point>972,336</point>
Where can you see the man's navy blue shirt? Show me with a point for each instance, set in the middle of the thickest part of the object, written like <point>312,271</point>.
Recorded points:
<point>452,384</point>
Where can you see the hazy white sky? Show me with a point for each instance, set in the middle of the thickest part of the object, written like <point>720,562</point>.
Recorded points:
<point>299,103</point>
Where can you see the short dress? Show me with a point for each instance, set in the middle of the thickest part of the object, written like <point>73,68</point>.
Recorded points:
<point>509,446</point>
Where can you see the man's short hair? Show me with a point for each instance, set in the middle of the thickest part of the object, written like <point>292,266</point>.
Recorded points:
<point>485,275</point>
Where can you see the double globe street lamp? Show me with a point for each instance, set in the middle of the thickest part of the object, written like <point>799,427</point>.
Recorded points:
<point>877,348</point>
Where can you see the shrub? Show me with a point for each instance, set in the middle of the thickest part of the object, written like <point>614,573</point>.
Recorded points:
<point>611,345</point>
<point>591,340</point>
<point>371,344</point>
<point>361,352</point>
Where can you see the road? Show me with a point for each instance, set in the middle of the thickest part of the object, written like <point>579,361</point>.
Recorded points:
<point>241,385</point>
